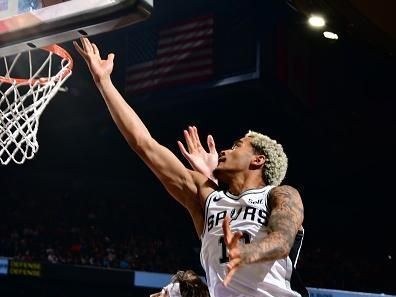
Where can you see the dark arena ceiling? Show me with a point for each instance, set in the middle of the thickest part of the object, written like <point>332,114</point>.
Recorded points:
<point>372,21</point>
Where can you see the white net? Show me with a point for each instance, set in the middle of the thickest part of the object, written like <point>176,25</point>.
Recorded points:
<point>23,100</point>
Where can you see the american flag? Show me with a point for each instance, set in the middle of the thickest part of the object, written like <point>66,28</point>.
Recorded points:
<point>184,55</point>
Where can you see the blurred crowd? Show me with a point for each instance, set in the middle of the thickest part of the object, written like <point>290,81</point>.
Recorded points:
<point>114,233</point>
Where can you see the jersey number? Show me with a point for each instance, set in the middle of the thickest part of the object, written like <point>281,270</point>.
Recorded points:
<point>224,255</point>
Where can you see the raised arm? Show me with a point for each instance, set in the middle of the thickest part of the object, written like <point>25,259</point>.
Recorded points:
<point>286,218</point>
<point>183,184</point>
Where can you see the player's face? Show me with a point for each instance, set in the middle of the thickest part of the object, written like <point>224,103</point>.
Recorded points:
<point>237,158</point>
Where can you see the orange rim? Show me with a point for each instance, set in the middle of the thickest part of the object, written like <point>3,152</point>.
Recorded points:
<point>55,49</point>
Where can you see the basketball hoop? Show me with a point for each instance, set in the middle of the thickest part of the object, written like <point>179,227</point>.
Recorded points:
<point>24,99</point>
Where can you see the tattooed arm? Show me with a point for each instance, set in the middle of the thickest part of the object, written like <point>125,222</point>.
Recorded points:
<point>287,214</point>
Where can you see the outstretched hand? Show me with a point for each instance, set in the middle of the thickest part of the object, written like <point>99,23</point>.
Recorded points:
<point>232,241</point>
<point>99,68</point>
<point>200,160</point>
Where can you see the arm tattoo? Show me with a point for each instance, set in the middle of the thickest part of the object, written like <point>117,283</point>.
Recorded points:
<point>286,217</point>
<point>287,212</point>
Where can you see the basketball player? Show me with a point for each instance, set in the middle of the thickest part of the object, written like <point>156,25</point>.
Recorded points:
<point>266,216</point>
<point>184,284</point>
<point>206,162</point>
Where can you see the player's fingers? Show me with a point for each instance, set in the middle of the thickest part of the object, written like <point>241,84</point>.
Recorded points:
<point>189,141</point>
<point>95,49</point>
<point>235,239</point>
<point>79,49</point>
<point>82,43</point>
<point>182,149</point>
<point>234,263</point>
<point>110,57</point>
<point>196,136</point>
<point>211,144</point>
<point>192,137</point>
<point>231,239</point>
<point>227,230</point>
<point>229,275</point>
<point>86,44</point>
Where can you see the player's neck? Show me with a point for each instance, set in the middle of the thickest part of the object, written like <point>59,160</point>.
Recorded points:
<point>240,184</point>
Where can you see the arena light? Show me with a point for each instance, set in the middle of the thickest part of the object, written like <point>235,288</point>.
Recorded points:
<point>316,21</point>
<point>330,35</point>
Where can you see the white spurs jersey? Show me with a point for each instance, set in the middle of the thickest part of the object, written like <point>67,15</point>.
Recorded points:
<point>249,213</point>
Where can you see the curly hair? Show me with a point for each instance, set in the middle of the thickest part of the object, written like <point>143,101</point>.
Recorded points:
<point>191,285</point>
<point>275,165</point>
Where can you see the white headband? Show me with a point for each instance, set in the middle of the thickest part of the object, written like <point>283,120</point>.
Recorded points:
<point>173,290</point>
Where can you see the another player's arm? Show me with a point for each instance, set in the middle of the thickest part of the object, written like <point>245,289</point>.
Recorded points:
<point>181,183</point>
<point>286,217</point>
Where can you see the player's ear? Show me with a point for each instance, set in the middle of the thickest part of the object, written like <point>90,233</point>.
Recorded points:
<point>258,160</point>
